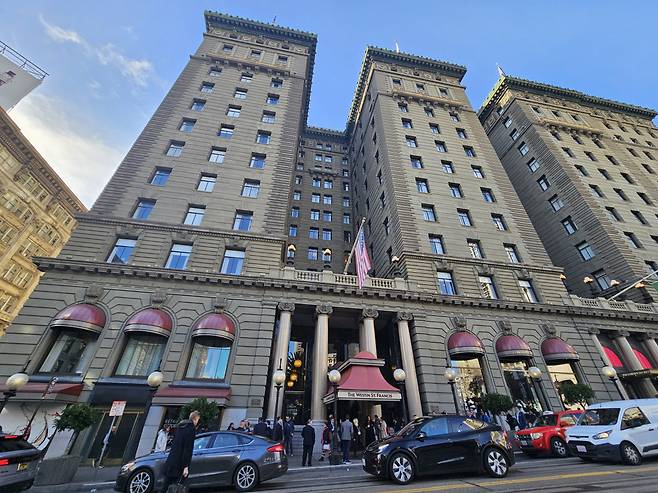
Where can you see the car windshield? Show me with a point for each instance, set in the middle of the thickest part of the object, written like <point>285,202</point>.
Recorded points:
<point>410,428</point>
<point>599,417</point>
<point>547,420</point>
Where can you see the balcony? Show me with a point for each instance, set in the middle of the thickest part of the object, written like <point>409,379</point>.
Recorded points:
<point>327,277</point>
<point>605,304</point>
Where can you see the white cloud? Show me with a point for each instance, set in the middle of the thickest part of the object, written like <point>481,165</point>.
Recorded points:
<point>78,154</point>
<point>137,71</point>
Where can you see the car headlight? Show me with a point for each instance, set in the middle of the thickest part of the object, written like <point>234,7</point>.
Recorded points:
<point>603,435</point>
<point>381,448</point>
<point>536,436</point>
<point>127,467</point>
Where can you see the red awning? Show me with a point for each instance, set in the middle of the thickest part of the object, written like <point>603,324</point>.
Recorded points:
<point>613,358</point>
<point>512,348</point>
<point>557,351</point>
<point>150,320</point>
<point>214,325</point>
<point>361,379</point>
<point>644,361</point>
<point>463,345</point>
<point>81,316</point>
<point>73,389</point>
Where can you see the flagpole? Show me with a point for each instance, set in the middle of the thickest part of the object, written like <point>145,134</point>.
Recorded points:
<point>356,239</point>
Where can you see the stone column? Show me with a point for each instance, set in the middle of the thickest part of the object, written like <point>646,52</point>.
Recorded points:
<point>280,354</point>
<point>597,344</point>
<point>368,342</point>
<point>409,365</point>
<point>320,361</point>
<point>632,362</point>
<point>651,346</point>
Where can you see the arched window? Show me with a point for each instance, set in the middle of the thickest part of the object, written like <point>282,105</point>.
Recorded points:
<point>212,337</point>
<point>147,333</point>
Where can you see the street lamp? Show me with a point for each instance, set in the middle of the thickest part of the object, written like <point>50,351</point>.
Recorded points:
<point>279,377</point>
<point>326,258</point>
<point>290,255</point>
<point>400,376</point>
<point>451,376</point>
<point>334,377</point>
<point>611,373</point>
<point>590,282</point>
<point>395,262</point>
<point>14,383</point>
<point>535,376</point>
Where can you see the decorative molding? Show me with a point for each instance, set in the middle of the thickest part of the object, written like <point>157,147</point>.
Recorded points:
<point>593,331</point>
<point>93,293</point>
<point>324,309</point>
<point>219,304</point>
<point>620,333</point>
<point>549,329</point>
<point>158,297</point>
<point>459,322</point>
<point>522,273</point>
<point>408,316</point>
<point>286,306</point>
<point>369,313</point>
<point>505,326</point>
<point>443,264</point>
<point>484,270</point>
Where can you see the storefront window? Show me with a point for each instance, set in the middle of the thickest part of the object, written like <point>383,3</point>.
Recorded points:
<point>562,375</point>
<point>69,353</point>
<point>518,382</point>
<point>142,355</point>
<point>470,382</point>
<point>209,358</point>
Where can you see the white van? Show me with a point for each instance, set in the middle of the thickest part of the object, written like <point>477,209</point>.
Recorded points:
<point>616,430</point>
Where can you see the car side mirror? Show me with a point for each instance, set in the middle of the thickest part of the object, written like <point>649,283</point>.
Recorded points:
<point>421,436</point>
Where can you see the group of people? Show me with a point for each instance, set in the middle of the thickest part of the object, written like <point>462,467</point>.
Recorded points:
<point>282,431</point>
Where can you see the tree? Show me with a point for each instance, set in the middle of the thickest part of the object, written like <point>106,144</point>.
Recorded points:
<point>208,411</point>
<point>76,417</point>
<point>496,403</point>
<point>577,393</point>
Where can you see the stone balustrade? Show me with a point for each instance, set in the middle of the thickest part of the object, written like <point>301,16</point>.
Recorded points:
<point>328,277</point>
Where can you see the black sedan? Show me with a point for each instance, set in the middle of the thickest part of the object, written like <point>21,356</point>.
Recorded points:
<point>18,463</point>
<point>434,445</point>
<point>220,458</point>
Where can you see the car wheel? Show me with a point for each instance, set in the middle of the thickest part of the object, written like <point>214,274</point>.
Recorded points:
<point>559,448</point>
<point>246,477</point>
<point>401,469</point>
<point>141,481</point>
<point>496,463</point>
<point>629,454</point>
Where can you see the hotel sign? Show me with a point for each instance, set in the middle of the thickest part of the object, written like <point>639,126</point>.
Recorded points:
<point>368,395</point>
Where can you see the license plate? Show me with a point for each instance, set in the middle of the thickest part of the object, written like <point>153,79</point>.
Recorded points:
<point>525,443</point>
<point>22,466</point>
<point>581,448</point>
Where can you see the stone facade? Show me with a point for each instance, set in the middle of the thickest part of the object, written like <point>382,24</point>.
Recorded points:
<point>36,217</point>
<point>163,250</point>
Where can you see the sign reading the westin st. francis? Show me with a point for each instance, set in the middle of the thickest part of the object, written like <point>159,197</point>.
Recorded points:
<point>368,395</point>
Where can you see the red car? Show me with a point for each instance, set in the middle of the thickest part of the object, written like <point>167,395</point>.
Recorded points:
<point>547,435</point>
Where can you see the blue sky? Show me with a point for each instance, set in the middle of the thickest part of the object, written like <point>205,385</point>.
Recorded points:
<point>110,63</point>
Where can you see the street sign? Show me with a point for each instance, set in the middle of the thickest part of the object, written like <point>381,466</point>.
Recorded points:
<point>117,408</point>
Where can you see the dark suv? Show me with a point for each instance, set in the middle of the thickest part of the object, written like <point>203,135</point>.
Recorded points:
<point>433,445</point>
<point>18,463</point>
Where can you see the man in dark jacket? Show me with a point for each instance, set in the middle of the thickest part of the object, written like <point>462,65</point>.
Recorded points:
<point>288,430</point>
<point>261,428</point>
<point>176,467</point>
<point>308,435</point>
<point>277,432</point>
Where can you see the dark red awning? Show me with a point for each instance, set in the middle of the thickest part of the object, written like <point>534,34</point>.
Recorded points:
<point>463,345</point>
<point>512,348</point>
<point>73,389</point>
<point>557,351</point>
<point>81,316</point>
<point>150,320</point>
<point>214,325</point>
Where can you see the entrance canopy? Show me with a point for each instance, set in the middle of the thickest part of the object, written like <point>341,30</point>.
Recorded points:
<point>362,380</point>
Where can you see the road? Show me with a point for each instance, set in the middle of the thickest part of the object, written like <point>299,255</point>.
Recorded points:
<point>538,475</point>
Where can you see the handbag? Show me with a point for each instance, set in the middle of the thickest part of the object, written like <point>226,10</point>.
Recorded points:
<point>326,447</point>
<point>178,487</point>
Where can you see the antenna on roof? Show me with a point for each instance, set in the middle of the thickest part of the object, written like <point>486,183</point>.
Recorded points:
<point>501,72</point>
<point>274,20</point>
<point>397,47</point>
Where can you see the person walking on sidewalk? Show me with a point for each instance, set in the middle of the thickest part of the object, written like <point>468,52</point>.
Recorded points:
<point>277,432</point>
<point>326,441</point>
<point>288,429</point>
<point>346,438</point>
<point>261,428</point>
<point>162,439</point>
<point>177,465</point>
<point>308,436</point>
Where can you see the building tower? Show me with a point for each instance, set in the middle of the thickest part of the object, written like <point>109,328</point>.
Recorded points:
<point>584,168</point>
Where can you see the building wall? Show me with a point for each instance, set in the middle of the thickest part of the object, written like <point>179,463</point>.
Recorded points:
<point>36,217</point>
<point>579,145</point>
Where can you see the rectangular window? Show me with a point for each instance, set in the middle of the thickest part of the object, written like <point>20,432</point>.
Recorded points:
<point>428,212</point>
<point>596,191</point>
<point>187,125</point>
<point>328,184</point>
<point>206,182</point>
<point>477,172</point>
<point>257,161</point>
<point>461,133</point>
<point>255,54</point>
<point>507,121</point>
<point>315,215</point>
<point>640,217</point>
<point>175,149</point>
<point>347,236</point>
<point>214,71</point>
<point>315,198</point>
<point>226,131</point>
<point>605,174</point>
<point>488,287</point>
<point>436,244</point>
<point>268,117</point>
<point>250,188</point>
<point>233,111</point>
<point>326,234</point>
<point>440,146</point>
<point>316,182</point>
<point>454,117</point>
<point>243,220</point>
<point>207,87</point>
<point>528,291</point>
<point>227,48</point>
<point>292,230</point>
<point>194,215</point>
<point>346,218</point>
<point>346,201</point>
<point>282,59</point>
<point>568,152</point>
<point>312,253</point>
<point>411,141</point>
<point>403,108</point>
<point>123,249</point>
<point>582,170</point>
<point>406,123</point>
<point>327,199</point>
<point>512,253</point>
<point>613,214</point>
<point>429,112</point>
<point>475,248</point>
<point>523,148</point>
<point>326,216</point>
<point>217,155</point>
<point>556,136</point>
<point>416,162</point>
<point>622,194</point>
<point>276,83</point>
<point>434,128</point>
<point>628,178</point>
<point>143,208</point>
<point>648,169</point>
<point>632,240</point>
<point>445,283</point>
<point>447,167</point>
<point>272,99</point>
<point>602,279</point>
<point>543,183</point>
<point>263,137</point>
<point>591,156</point>
<point>464,217</point>
<point>585,250</point>
<point>469,151</point>
<point>313,233</point>
<point>346,186</point>
<point>232,262</point>
<point>296,195</point>
<point>422,186</point>
<point>569,225</point>
<point>294,212</point>
<point>160,176</point>
<point>645,198</point>
<point>198,105</point>
<point>514,134</point>
<point>456,190</point>
<point>487,195</point>
<point>533,165</point>
<point>499,222</point>
<point>556,203</point>
<point>246,77</point>
<point>178,256</point>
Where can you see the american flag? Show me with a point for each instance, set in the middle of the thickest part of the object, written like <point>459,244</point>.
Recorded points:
<point>363,264</point>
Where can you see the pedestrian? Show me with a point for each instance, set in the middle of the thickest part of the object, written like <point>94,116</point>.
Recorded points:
<point>231,427</point>
<point>177,465</point>
<point>288,430</point>
<point>378,427</point>
<point>308,440</point>
<point>260,428</point>
<point>269,429</point>
<point>326,440</point>
<point>346,438</point>
<point>356,436</point>
<point>520,416</point>
<point>277,433</point>
<point>371,435</point>
<point>384,428</point>
<point>161,440</point>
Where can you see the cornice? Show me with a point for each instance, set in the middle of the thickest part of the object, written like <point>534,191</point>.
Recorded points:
<point>325,133</point>
<point>244,64</point>
<point>481,262</point>
<point>264,282</point>
<point>570,127</point>
<point>422,97</point>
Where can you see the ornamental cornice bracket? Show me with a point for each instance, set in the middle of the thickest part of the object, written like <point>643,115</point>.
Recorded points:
<point>93,293</point>
<point>459,322</point>
<point>505,326</point>
<point>407,316</point>
<point>286,306</point>
<point>158,297</point>
<point>549,329</point>
<point>219,304</point>
<point>369,313</point>
<point>324,309</point>
<point>620,333</point>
